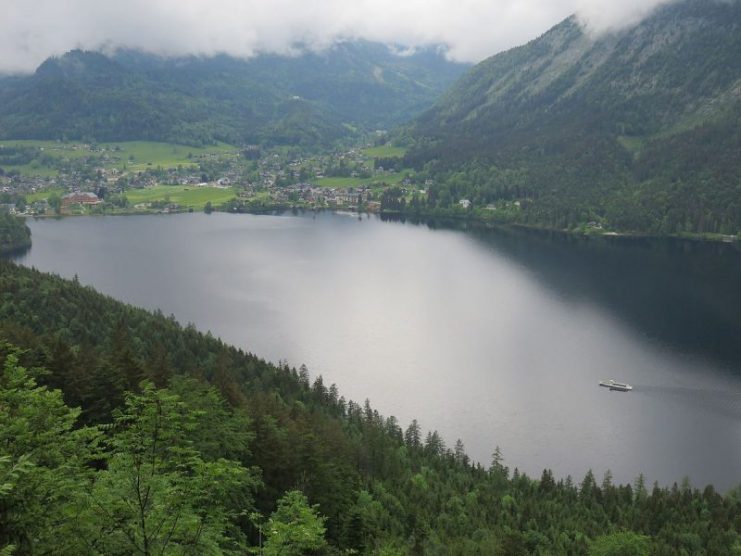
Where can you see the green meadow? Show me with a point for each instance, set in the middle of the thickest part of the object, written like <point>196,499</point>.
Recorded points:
<point>32,169</point>
<point>342,183</point>
<point>134,155</point>
<point>139,155</point>
<point>188,196</point>
<point>45,194</point>
<point>385,151</point>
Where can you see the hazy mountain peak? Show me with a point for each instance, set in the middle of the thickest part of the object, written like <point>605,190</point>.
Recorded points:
<point>134,95</point>
<point>78,64</point>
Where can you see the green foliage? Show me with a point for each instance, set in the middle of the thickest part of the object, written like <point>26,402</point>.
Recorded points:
<point>158,495</point>
<point>17,155</point>
<point>48,158</point>
<point>295,528</point>
<point>186,196</point>
<point>386,151</point>
<point>620,544</point>
<point>15,235</point>
<point>162,485</point>
<point>42,462</point>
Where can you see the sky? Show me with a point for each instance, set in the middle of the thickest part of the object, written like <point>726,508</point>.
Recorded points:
<point>33,30</point>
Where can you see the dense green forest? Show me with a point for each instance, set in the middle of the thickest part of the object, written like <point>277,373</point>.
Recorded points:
<point>15,235</point>
<point>122,432</point>
<point>309,100</point>
<point>636,130</point>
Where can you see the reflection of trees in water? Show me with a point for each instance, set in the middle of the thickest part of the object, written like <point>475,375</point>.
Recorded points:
<point>15,254</point>
<point>683,294</point>
<point>725,403</point>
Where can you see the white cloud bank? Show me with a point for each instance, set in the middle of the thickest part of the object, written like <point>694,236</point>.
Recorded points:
<point>32,30</point>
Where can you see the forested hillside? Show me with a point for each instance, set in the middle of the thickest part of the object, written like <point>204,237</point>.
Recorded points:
<point>311,99</point>
<point>184,445</point>
<point>14,234</point>
<point>632,131</point>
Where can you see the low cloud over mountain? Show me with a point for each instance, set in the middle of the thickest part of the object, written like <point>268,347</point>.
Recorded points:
<point>32,30</point>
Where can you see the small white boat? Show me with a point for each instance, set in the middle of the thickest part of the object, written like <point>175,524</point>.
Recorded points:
<point>614,385</point>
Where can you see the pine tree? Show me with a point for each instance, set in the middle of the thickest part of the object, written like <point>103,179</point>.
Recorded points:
<point>413,435</point>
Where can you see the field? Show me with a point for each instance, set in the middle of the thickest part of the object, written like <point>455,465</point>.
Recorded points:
<point>135,155</point>
<point>138,155</point>
<point>385,151</point>
<point>31,169</point>
<point>54,148</point>
<point>342,183</point>
<point>632,144</point>
<point>45,194</point>
<point>187,196</point>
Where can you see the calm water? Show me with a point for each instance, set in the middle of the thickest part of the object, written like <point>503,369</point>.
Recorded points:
<point>498,338</point>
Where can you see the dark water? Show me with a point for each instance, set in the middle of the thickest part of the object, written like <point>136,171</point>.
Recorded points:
<point>499,338</point>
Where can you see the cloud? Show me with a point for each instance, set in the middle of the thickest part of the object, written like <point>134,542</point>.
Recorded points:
<point>609,16</point>
<point>32,30</point>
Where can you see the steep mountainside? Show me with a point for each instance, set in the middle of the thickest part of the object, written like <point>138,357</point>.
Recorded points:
<point>313,98</point>
<point>637,130</point>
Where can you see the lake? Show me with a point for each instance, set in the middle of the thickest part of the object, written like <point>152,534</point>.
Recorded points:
<point>498,338</point>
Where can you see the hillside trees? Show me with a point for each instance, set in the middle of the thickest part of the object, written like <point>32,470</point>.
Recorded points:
<point>158,491</point>
<point>15,235</point>
<point>43,461</point>
<point>636,131</point>
<point>141,486</point>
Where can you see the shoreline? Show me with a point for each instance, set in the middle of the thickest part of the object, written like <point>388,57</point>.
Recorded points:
<point>490,223</point>
<point>486,223</point>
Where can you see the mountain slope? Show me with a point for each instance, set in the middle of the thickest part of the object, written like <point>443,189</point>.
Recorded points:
<point>85,95</point>
<point>636,130</point>
<point>306,99</point>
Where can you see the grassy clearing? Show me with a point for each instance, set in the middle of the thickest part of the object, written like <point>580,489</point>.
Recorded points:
<point>32,169</point>
<point>184,195</point>
<point>635,144</point>
<point>385,151</point>
<point>342,183</point>
<point>46,145</point>
<point>631,144</point>
<point>139,155</point>
<point>134,155</point>
<point>56,149</point>
<point>45,194</point>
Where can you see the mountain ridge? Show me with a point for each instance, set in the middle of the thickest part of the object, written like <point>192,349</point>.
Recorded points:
<point>589,125</point>
<point>305,99</point>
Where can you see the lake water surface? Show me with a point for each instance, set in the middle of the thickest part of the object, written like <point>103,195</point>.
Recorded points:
<point>497,338</point>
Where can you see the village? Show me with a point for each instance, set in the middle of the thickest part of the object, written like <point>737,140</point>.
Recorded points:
<point>103,180</point>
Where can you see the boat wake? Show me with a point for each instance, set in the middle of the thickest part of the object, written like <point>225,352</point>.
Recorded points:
<point>722,402</point>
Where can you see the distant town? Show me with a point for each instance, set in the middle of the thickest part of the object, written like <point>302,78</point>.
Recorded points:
<point>46,178</point>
